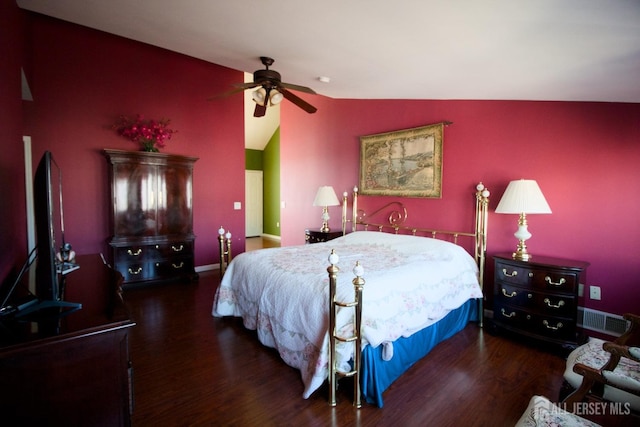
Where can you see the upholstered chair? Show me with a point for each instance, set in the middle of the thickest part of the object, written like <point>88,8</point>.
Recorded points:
<point>608,371</point>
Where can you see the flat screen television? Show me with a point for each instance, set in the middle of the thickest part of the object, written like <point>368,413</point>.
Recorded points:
<point>52,251</point>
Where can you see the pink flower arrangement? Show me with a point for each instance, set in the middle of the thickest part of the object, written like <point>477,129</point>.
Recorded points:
<point>150,134</point>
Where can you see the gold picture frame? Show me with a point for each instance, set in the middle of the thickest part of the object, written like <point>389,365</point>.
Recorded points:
<point>404,163</point>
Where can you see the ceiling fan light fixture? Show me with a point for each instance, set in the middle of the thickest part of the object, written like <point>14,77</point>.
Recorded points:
<point>260,96</point>
<point>275,97</point>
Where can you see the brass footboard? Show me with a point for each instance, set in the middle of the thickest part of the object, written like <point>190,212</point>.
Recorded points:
<point>224,239</point>
<point>356,338</point>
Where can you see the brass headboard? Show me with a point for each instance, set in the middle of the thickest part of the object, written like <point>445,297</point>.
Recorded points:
<point>397,216</point>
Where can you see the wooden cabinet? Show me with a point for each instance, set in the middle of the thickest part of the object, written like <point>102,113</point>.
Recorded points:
<point>539,298</point>
<point>152,215</point>
<point>316,236</point>
<point>70,368</point>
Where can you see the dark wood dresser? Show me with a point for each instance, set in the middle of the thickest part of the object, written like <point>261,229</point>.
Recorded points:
<point>539,298</point>
<point>152,216</point>
<point>71,370</point>
<point>316,236</point>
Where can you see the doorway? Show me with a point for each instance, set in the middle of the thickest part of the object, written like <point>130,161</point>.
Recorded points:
<point>253,203</point>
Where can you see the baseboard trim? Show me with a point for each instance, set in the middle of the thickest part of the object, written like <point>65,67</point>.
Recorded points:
<point>207,267</point>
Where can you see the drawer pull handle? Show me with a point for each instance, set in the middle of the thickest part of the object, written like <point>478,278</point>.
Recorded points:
<point>179,249</point>
<point>136,253</point>
<point>555,328</point>
<point>178,265</point>
<point>137,271</point>
<point>560,283</point>
<point>513,274</point>
<point>511,295</point>
<point>512,314</point>
<point>548,302</point>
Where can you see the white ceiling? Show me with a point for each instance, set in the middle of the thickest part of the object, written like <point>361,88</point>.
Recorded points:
<point>564,50</point>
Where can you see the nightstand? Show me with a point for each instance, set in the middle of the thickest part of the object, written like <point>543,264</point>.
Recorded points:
<point>316,236</point>
<point>539,298</point>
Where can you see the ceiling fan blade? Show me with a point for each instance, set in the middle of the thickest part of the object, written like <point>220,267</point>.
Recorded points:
<point>298,101</point>
<point>298,88</point>
<point>260,110</point>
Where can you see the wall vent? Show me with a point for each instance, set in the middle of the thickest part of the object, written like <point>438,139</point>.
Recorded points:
<point>600,321</point>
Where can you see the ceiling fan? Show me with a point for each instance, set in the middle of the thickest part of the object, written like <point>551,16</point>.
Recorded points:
<point>271,90</point>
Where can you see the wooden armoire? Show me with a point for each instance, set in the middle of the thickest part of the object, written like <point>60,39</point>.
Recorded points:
<point>152,218</point>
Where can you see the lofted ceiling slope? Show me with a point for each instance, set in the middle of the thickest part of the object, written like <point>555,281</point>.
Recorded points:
<point>561,50</point>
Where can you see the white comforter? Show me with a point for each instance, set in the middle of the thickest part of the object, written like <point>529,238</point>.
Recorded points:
<point>283,294</point>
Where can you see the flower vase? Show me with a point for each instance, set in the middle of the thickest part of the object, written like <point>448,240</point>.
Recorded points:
<point>149,147</point>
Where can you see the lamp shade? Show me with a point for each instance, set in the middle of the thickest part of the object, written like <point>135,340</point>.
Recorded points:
<point>259,96</point>
<point>326,196</point>
<point>523,196</point>
<point>275,97</point>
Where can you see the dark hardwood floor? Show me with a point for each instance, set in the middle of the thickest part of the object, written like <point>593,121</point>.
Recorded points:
<point>191,369</point>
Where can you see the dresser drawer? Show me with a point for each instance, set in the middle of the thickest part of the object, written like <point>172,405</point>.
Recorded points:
<point>547,327</point>
<point>514,274</point>
<point>537,277</point>
<point>136,253</point>
<point>174,267</point>
<point>174,249</point>
<point>135,271</point>
<point>555,280</point>
<point>541,302</point>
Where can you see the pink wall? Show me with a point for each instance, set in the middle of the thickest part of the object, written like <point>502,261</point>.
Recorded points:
<point>583,155</point>
<point>84,79</point>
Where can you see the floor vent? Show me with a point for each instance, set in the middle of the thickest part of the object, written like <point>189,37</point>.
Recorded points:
<point>607,323</point>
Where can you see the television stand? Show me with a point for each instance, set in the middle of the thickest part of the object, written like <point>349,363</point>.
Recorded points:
<point>71,369</point>
<point>47,308</point>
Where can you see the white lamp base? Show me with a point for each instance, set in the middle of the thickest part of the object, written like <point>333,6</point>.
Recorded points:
<point>325,220</point>
<point>522,235</point>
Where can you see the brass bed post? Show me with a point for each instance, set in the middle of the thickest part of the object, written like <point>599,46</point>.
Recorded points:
<point>344,213</point>
<point>356,338</point>
<point>224,240</point>
<point>354,210</point>
<point>482,216</point>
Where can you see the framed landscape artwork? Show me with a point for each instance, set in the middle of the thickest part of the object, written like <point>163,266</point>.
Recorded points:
<point>405,163</point>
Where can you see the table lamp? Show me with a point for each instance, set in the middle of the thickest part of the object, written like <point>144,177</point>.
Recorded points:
<point>523,197</point>
<point>325,197</point>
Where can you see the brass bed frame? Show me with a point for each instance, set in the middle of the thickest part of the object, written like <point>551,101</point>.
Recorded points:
<point>395,223</point>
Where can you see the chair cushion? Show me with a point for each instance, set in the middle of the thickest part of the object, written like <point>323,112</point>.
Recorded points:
<point>592,354</point>
<point>542,412</point>
<point>622,380</point>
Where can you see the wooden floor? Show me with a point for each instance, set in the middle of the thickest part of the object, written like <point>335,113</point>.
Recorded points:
<point>253,243</point>
<point>191,369</point>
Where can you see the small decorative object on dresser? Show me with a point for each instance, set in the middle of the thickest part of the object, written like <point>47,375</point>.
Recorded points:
<point>539,298</point>
<point>152,218</point>
<point>314,236</point>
